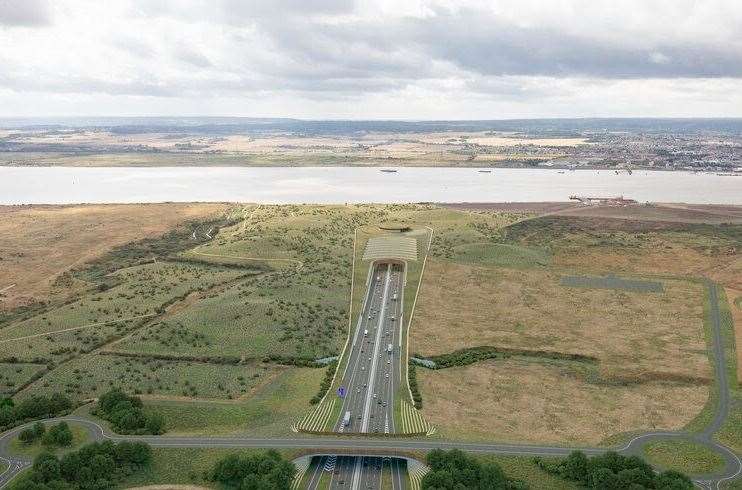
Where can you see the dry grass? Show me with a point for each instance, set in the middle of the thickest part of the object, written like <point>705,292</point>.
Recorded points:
<point>735,307</point>
<point>37,243</point>
<point>514,400</point>
<point>634,335</point>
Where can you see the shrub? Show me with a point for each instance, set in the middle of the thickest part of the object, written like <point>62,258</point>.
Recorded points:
<point>58,435</point>
<point>99,465</point>
<point>612,470</point>
<point>455,469</point>
<point>127,415</point>
<point>267,470</point>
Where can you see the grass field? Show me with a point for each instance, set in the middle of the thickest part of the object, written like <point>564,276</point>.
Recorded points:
<point>80,436</point>
<point>270,411</point>
<point>39,243</point>
<point>687,457</point>
<point>550,402</point>
<point>508,292</point>
<point>90,376</point>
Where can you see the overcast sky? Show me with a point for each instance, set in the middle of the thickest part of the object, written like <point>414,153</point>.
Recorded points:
<point>409,59</point>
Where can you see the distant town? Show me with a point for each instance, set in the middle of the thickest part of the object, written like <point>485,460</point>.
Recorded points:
<point>704,145</point>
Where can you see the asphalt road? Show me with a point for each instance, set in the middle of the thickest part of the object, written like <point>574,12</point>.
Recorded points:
<point>388,446</point>
<point>373,372</point>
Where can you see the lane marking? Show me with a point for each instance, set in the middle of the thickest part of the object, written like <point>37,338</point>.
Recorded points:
<point>374,358</point>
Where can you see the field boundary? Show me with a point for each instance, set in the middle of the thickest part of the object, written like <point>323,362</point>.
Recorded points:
<point>412,313</point>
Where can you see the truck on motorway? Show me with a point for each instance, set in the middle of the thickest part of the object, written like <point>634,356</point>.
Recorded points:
<point>389,348</point>
<point>346,419</point>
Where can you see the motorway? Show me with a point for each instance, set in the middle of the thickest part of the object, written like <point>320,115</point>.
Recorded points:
<point>372,375</point>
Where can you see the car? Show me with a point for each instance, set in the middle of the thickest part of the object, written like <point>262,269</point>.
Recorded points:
<point>387,361</point>
<point>369,358</point>
<point>378,402</point>
<point>358,391</point>
<point>384,404</point>
<point>374,396</point>
<point>387,375</point>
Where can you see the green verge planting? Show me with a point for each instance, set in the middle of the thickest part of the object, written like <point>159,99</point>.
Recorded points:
<point>612,470</point>
<point>33,408</point>
<point>126,414</point>
<point>266,470</point>
<point>454,469</point>
<point>54,438</point>
<point>685,456</point>
<point>189,466</point>
<point>97,465</point>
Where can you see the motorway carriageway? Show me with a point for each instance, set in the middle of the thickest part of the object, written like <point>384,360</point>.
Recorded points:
<point>372,375</point>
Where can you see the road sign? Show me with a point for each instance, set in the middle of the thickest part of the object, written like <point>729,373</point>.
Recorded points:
<point>341,392</point>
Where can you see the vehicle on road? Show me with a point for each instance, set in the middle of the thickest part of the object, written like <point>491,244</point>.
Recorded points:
<point>346,419</point>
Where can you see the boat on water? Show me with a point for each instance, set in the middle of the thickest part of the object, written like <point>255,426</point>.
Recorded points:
<point>389,170</point>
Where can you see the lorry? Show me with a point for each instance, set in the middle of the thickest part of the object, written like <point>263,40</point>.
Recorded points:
<point>346,419</point>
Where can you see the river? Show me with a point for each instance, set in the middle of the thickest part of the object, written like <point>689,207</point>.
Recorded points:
<point>67,185</point>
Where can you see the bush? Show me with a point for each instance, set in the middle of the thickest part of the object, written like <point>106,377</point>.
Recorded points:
<point>612,470</point>
<point>455,469</point>
<point>99,465</point>
<point>127,415</point>
<point>417,398</point>
<point>267,470</point>
<point>326,382</point>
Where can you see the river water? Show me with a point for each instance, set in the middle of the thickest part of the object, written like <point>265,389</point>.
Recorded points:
<point>66,185</point>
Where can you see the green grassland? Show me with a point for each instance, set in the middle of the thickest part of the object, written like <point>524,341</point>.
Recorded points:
<point>684,456</point>
<point>92,375</point>
<point>259,317</point>
<point>143,291</point>
<point>731,432</point>
<point>270,412</point>
<point>14,374</point>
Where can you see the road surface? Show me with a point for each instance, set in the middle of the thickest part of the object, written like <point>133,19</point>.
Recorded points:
<point>373,372</point>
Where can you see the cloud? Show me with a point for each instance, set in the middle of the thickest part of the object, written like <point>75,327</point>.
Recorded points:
<point>362,51</point>
<point>24,13</point>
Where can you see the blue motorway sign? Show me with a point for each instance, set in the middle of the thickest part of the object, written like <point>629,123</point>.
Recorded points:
<point>341,392</point>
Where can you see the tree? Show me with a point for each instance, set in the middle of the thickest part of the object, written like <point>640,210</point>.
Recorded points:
<point>27,436</point>
<point>38,429</point>
<point>58,435</point>
<point>155,424</point>
<point>603,478</point>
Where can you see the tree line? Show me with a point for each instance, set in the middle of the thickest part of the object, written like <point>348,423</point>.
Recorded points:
<point>266,471</point>
<point>58,435</point>
<point>32,408</point>
<point>456,470</point>
<point>612,471</point>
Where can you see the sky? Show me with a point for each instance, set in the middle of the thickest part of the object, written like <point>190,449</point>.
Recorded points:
<point>381,59</point>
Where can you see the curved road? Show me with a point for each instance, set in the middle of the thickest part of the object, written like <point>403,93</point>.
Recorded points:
<point>333,445</point>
